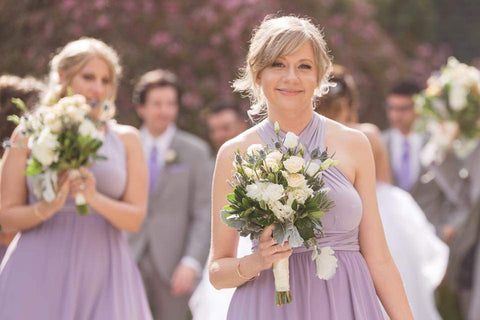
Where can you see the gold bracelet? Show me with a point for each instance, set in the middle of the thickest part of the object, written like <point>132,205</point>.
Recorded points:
<point>242,276</point>
<point>37,213</point>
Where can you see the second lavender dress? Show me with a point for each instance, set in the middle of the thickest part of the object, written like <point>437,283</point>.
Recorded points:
<point>350,294</point>
<point>75,267</point>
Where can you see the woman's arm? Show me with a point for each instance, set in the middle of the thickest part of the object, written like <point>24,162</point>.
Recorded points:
<point>227,271</point>
<point>373,245</point>
<point>15,214</point>
<point>129,212</point>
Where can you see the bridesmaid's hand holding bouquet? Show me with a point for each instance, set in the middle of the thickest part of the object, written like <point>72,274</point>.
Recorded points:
<point>61,137</point>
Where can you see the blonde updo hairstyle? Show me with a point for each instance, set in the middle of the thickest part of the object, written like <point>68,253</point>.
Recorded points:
<point>72,58</point>
<point>277,37</point>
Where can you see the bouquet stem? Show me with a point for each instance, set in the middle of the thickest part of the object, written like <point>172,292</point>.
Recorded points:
<point>281,273</point>
<point>80,202</point>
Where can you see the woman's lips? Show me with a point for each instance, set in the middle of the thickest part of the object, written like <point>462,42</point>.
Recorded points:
<point>289,92</point>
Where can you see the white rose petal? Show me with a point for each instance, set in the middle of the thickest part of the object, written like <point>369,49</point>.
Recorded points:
<point>254,149</point>
<point>273,192</point>
<point>299,194</point>
<point>294,164</point>
<point>273,159</point>
<point>291,140</point>
<point>88,129</point>
<point>296,180</point>
<point>326,263</point>
<point>312,169</point>
<point>281,211</point>
<point>256,190</point>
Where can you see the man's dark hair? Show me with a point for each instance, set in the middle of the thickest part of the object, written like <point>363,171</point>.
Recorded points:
<point>223,106</point>
<point>155,79</point>
<point>406,88</point>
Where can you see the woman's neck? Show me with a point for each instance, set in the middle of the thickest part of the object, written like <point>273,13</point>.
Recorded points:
<point>293,121</point>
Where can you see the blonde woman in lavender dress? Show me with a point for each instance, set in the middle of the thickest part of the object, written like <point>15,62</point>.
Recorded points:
<point>62,265</point>
<point>287,65</point>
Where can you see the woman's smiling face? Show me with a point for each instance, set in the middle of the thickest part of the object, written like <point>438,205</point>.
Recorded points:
<point>289,83</point>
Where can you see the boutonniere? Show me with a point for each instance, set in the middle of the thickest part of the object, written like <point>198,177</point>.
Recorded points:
<point>171,157</point>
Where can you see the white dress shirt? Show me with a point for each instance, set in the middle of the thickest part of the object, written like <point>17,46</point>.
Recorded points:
<point>163,143</point>
<point>416,142</point>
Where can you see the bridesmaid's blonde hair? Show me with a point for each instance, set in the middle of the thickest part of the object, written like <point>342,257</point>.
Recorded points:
<point>277,37</point>
<point>72,58</point>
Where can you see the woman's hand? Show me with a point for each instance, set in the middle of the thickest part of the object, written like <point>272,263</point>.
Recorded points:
<point>83,183</point>
<point>48,209</point>
<point>269,251</point>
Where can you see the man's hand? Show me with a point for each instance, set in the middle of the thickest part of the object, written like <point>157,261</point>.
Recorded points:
<point>183,280</point>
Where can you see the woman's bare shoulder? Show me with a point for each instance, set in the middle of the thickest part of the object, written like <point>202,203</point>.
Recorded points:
<point>344,134</point>
<point>240,142</point>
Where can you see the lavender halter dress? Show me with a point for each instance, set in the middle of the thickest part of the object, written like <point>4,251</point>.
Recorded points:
<point>350,294</point>
<point>75,267</point>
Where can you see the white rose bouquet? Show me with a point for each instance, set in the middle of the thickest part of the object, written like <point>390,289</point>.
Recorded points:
<point>450,105</point>
<point>60,137</point>
<point>275,185</point>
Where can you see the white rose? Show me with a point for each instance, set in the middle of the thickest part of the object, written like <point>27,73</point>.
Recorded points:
<point>291,140</point>
<point>294,164</point>
<point>299,194</point>
<point>328,163</point>
<point>281,211</point>
<point>78,99</point>
<point>43,148</point>
<point>54,122</point>
<point>326,263</point>
<point>249,172</point>
<point>313,167</point>
<point>88,129</point>
<point>273,192</point>
<point>273,159</point>
<point>254,149</point>
<point>296,180</point>
<point>75,114</point>
<point>255,191</point>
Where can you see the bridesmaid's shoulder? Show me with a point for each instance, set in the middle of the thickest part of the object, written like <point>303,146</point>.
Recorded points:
<point>240,142</point>
<point>129,135</point>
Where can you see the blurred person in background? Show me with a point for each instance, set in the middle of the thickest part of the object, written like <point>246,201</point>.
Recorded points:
<point>224,121</point>
<point>63,265</point>
<point>28,90</point>
<point>420,256</point>
<point>172,245</point>
<point>403,143</point>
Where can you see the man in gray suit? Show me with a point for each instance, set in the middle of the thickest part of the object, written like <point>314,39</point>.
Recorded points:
<point>403,143</point>
<point>172,246</point>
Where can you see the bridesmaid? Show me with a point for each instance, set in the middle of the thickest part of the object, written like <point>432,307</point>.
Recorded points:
<point>287,65</point>
<point>62,265</point>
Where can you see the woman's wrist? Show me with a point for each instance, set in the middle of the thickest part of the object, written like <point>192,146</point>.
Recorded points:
<point>248,267</point>
<point>41,210</point>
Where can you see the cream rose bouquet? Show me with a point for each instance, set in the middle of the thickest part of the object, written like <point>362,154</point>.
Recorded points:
<point>450,107</point>
<point>275,185</point>
<point>60,137</point>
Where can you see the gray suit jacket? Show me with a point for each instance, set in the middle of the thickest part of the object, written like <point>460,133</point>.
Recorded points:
<point>178,216</point>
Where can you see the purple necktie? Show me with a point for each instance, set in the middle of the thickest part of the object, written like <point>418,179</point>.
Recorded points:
<point>153,168</point>
<point>404,173</point>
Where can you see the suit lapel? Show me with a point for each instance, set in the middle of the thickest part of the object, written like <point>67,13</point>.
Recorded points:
<point>164,174</point>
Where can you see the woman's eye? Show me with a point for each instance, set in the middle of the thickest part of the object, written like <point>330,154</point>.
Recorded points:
<point>277,64</point>
<point>106,81</point>
<point>305,66</point>
<point>88,77</point>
